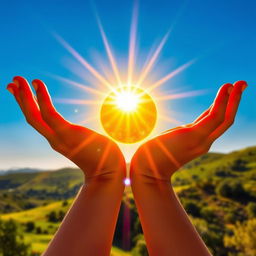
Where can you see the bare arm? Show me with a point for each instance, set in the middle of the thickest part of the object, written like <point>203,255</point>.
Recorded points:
<point>167,228</point>
<point>88,227</point>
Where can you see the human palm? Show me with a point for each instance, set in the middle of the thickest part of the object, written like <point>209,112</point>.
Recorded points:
<point>95,154</point>
<point>161,156</point>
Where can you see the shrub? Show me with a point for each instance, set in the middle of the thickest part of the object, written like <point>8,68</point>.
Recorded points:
<point>61,215</point>
<point>30,226</point>
<point>64,203</point>
<point>192,208</point>
<point>230,217</point>
<point>140,249</point>
<point>244,238</point>
<point>230,189</point>
<point>52,217</point>
<point>11,240</point>
<point>38,230</point>
<point>251,209</point>
<point>207,214</point>
<point>239,165</point>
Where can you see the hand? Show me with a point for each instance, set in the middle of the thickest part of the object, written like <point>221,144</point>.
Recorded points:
<point>160,157</point>
<point>95,154</point>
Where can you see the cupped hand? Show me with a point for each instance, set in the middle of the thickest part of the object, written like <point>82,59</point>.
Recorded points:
<point>160,157</point>
<point>95,154</point>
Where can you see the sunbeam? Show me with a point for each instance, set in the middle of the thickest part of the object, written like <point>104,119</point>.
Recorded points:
<point>77,102</point>
<point>152,60</point>
<point>170,75</point>
<point>78,57</point>
<point>109,52</point>
<point>132,44</point>
<point>169,119</point>
<point>168,154</point>
<point>128,104</point>
<point>79,85</point>
<point>181,95</point>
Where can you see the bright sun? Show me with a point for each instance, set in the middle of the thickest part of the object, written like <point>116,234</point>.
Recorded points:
<point>128,114</point>
<point>127,101</point>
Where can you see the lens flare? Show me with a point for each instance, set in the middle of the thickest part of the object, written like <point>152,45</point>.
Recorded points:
<point>127,182</point>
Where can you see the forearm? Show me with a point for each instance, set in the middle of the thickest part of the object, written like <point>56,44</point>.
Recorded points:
<point>88,227</point>
<point>166,226</point>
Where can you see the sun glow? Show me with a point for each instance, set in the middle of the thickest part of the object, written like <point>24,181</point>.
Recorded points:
<point>127,113</point>
<point>127,100</point>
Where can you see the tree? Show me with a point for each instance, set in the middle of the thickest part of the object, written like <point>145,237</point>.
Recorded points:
<point>140,249</point>
<point>30,226</point>
<point>251,209</point>
<point>61,215</point>
<point>52,217</point>
<point>191,208</point>
<point>243,239</point>
<point>239,165</point>
<point>38,230</point>
<point>231,189</point>
<point>11,241</point>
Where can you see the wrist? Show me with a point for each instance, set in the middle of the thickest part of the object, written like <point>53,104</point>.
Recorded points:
<point>106,177</point>
<point>140,177</point>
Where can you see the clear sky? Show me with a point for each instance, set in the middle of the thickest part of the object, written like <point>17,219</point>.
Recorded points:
<point>221,35</point>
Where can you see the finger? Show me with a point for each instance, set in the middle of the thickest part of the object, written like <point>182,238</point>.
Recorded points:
<point>13,89</point>
<point>204,114</point>
<point>25,99</point>
<point>217,113</point>
<point>232,108</point>
<point>48,111</point>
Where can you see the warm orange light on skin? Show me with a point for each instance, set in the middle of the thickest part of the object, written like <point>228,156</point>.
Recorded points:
<point>128,114</point>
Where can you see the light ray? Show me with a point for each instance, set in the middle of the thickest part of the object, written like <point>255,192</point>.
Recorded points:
<point>92,70</point>
<point>104,156</point>
<point>109,52</point>
<point>132,44</point>
<point>77,102</point>
<point>79,85</point>
<point>170,75</point>
<point>89,119</point>
<point>85,142</point>
<point>169,119</point>
<point>153,59</point>
<point>168,153</point>
<point>150,160</point>
<point>181,95</point>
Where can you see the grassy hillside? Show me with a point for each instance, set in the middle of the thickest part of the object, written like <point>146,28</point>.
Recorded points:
<point>21,191</point>
<point>217,190</point>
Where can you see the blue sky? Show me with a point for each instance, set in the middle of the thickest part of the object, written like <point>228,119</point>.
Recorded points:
<point>221,35</point>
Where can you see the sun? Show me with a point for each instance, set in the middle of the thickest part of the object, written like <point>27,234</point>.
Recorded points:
<point>128,114</point>
<point>127,101</point>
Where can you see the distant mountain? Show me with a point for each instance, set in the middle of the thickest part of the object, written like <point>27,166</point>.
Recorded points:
<point>20,170</point>
<point>27,188</point>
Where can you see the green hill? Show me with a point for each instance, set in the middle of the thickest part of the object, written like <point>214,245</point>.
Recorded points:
<point>217,190</point>
<point>20,191</point>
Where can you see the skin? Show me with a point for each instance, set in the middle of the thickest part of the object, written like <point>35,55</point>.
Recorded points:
<point>166,226</point>
<point>88,227</point>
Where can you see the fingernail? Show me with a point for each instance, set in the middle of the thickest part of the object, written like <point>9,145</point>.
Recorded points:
<point>244,86</point>
<point>16,82</point>
<point>35,85</point>
<point>10,90</point>
<point>230,89</point>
